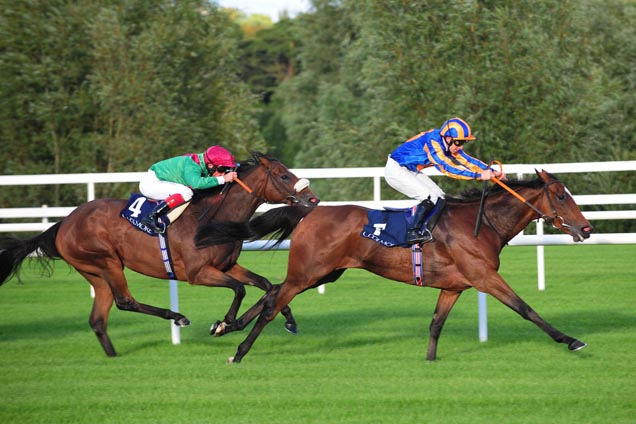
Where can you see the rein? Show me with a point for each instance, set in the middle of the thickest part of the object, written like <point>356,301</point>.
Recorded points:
<point>300,185</point>
<point>218,201</point>
<point>555,220</point>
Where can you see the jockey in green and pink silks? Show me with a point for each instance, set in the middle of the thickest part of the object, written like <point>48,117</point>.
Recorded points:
<point>172,181</point>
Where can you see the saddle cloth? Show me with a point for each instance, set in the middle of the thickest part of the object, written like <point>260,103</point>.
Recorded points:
<point>137,208</point>
<point>389,226</point>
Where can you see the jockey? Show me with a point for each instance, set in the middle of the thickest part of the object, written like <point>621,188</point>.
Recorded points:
<point>444,149</point>
<point>172,180</point>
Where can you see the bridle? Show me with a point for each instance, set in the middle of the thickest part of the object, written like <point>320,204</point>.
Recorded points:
<point>300,185</point>
<point>556,220</point>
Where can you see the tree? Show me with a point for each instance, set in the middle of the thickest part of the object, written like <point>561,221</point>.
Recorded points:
<point>105,86</point>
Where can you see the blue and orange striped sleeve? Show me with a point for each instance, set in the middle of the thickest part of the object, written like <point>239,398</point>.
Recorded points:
<point>464,169</point>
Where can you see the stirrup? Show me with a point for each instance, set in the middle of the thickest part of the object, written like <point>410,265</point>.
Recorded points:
<point>422,237</point>
<point>154,224</point>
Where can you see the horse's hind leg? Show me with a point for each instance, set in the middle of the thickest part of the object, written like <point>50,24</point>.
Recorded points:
<point>445,302</point>
<point>99,314</point>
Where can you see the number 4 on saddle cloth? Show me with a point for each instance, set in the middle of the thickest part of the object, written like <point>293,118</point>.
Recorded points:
<point>137,208</point>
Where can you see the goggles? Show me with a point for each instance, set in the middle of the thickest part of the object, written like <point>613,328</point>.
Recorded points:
<point>224,169</point>
<point>458,142</point>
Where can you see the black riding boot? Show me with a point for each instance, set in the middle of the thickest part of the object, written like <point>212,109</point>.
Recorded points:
<point>432,220</point>
<point>152,220</point>
<point>413,235</point>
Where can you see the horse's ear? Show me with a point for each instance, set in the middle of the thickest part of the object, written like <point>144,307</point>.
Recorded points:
<point>258,157</point>
<point>541,174</point>
<point>545,176</point>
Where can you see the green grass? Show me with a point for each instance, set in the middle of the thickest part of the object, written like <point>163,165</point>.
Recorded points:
<point>358,358</point>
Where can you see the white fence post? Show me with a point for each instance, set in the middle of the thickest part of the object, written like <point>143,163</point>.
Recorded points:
<point>174,306</point>
<point>540,258</point>
<point>483,316</point>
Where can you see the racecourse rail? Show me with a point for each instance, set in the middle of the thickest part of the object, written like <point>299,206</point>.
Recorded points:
<point>44,213</point>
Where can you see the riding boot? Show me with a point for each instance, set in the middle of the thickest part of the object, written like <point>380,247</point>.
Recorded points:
<point>152,220</point>
<point>413,235</point>
<point>430,223</point>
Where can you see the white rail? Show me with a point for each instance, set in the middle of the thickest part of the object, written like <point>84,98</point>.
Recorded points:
<point>540,240</point>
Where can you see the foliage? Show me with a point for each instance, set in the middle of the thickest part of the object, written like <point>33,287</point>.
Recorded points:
<point>103,86</point>
<point>535,80</point>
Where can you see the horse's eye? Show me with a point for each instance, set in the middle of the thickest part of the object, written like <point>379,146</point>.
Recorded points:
<point>284,177</point>
<point>561,196</point>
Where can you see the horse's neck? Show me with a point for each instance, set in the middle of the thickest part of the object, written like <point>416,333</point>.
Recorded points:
<point>508,215</point>
<point>234,204</point>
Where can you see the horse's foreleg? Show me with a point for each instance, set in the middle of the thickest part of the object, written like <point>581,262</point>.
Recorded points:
<point>445,303</point>
<point>504,293</point>
<point>273,302</point>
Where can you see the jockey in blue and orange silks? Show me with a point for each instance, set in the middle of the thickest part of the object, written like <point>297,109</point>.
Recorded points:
<point>443,149</point>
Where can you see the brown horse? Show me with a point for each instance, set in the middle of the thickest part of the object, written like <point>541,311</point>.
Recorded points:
<point>96,241</point>
<point>327,242</point>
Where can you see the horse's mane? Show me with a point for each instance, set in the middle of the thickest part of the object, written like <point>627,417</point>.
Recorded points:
<point>475,194</point>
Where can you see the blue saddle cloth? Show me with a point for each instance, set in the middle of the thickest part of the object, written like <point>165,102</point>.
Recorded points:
<point>137,208</point>
<point>389,226</point>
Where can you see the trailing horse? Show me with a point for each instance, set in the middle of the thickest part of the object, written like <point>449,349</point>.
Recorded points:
<point>327,242</point>
<point>96,241</point>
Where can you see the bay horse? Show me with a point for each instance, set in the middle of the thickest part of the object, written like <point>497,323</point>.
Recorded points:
<point>96,241</point>
<point>327,241</point>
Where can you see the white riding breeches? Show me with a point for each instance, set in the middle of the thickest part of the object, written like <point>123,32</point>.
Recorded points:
<point>152,187</point>
<point>416,185</point>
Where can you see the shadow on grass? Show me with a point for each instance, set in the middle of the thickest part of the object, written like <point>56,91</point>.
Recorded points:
<point>363,327</point>
<point>341,330</point>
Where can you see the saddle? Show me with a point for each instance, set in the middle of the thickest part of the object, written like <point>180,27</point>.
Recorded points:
<point>389,226</point>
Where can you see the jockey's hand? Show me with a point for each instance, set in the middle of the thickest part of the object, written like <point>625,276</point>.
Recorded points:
<point>487,175</point>
<point>230,176</point>
<point>500,174</point>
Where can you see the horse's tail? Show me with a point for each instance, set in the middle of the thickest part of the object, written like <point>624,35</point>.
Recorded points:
<point>278,223</point>
<point>13,251</point>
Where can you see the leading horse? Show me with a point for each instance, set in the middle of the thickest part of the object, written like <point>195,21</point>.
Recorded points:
<point>327,242</point>
<point>96,241</point>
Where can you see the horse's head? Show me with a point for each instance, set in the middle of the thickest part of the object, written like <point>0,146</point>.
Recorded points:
<point>273,182</point>
<point>564,214</point>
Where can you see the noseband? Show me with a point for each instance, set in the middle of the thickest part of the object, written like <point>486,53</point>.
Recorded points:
<point>556,220</point>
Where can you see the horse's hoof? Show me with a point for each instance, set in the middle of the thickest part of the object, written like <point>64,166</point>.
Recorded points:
<point>230,360</point>
<point>182,322</point>
<point>218,329</point>
<point>576,345</point>
<point>291,327</point>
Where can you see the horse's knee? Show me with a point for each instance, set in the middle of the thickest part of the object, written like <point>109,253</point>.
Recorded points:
<point>240,291</point>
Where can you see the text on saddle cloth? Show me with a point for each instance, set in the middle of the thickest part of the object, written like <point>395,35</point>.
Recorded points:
<point>389,226</point>
<point>137,208</point>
